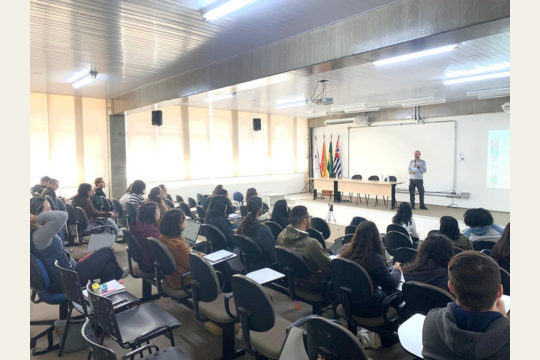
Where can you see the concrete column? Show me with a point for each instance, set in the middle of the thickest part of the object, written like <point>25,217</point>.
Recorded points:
<point>235,145</point>
<point>117,135</point>
<point>79,139</point>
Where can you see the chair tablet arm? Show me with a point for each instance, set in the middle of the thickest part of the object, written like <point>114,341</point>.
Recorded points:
<point>132,354</point>
<point>222,281</point>
<point>182,282</point>
<point>150,333</point>
<point>103,227</point>
<point>386,304</point>
<point>125,303</point>
<point>301,321</point>
<point>227,307</point>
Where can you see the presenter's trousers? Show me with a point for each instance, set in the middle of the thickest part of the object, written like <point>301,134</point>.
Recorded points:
<point>416,183</point>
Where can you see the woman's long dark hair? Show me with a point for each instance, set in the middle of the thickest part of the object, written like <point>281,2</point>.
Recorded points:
<point>250,193</point>
<point>219,187</point>
<point>250,224</point>
<point>403,215</point>
<point>434,253</point>
<point>147,212</point>
<point>281,213</point>
<point>138,187</point>
<point>501,250</point>
<point>449,227</point>
<point>217,207</point>
<point>36,208</point>
<point>364,244</point>
<point>82,192</point>
<point>153,196</point>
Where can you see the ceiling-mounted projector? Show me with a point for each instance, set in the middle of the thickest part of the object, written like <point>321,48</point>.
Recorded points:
<point>356,121</point>
<point>506,107</point>
<point>321,99</point>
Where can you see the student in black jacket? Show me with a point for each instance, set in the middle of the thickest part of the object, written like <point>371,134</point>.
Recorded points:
<point>224,193</point>
<point>281,213</point>
<point>98,190</point>
<point>217,216</point>
<point>431,263</point>
<point>365,249</point>
<point>251,227</point>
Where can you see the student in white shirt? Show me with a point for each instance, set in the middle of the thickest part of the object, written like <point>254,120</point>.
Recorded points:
<point>404,218</point>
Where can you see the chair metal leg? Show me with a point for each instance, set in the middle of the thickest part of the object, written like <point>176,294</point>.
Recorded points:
<point>317,309</point>
<point>66,329</point>
<point>228,352</point>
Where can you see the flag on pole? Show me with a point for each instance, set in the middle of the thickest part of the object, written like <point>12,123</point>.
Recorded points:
<point>337,162</point>
<point>324,171</point>
<point>317,168</point>
<point>330,156</point>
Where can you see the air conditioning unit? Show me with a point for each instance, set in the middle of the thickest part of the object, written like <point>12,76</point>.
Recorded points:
<point>356,121</point>
<point>506,107</point>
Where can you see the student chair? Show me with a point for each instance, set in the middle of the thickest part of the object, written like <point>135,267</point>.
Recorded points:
<point>322,226</point>
<point>243,211</point>
<point>457,250</point>
<point>39,282</point>
<point>215,240</point>
<point>169,203</point>
<point>191,203</point>
<point>420,298</point>
<point>200,199</point>
<point>201,213</point>
<point>404,255</point>
<point>350,229</point>
<point>72,225</point>
<point>133,327</point>
<point>397,236</point>
<point>317,235</point>
<point>251,253</point>
<point>358,197</point>
<point>239,198</point>
<point>211,304</point>
<point>51,202</point>
<point>131,213</point>
<point>121,218</point>
<point>169,197</point>
<point>275,228</point>
<point>295,267</point>
<point>357,220</point>
<point>353,286</point>
<point>60,205</point>
<point>95,226</point>
<point>101,352</point>
<point>505,281</point>
<point>134,253</point>
<point>179,199</point>
<point>480,245</point>
<point>375,178</point>
<point>186,209</point>
<point>105,205</point>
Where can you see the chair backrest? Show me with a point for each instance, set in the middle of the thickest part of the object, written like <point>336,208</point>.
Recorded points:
<point>275,228</point>
<point>133,247</point>
<point>100,352</point>
<point>505,281</point>
<point>350,229</point>
<point>332,338</point>
<point>118,207</point>
<point>322,226</point>
<point>104,313</point>
<point>316,234</point>
<point>347,274</point>
<point>292,262</point>
<point>82,217</point>
<point>237,196</point>
<point>250,251</point>
<point>390,178</point>
<point>252,298</point>
<point>373,177</point>
<point>200,212</point>
<point>347,239</point>
<point>357,220</point>
<point>404,255</point>
<point>39,278</point>
<point>94,202</point>
<point>243,210</point>
<point>265,208</point>
<point>191,202</point>
<point>185,208</point>
<point>200,199</point>
<point>204,280</point>
<point>105,205</point>
<point>457,250</point>
<point>480,245</point>
<point>131,213</point>
<point>72,215</point>
<point>215,237</point>
<point>169,197</point>
<point>60,205</point>
<point>169,203</point>
<point>51,202</point>
<point>398,228</point>
<point>357,177</point>
<point>421,298</point>
<point>162,256</point>
<point>396,240</point>
<point>71,286</point>
<point>179,199</point>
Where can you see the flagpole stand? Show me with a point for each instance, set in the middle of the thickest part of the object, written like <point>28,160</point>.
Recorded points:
<point>308,187</point>
<point>330,216</point>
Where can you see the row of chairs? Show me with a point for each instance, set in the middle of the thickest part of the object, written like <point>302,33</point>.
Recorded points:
<point>375,178</point>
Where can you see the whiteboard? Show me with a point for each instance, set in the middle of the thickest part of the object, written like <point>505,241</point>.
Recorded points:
<point>387,150</point>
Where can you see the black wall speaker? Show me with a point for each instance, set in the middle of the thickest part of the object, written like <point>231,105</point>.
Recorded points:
<point>256,124</point>
<point>157,117</point>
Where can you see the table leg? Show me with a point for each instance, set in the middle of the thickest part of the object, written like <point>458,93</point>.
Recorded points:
<point>393,196</point>
<point>314,194</point>
<point>337,196</point>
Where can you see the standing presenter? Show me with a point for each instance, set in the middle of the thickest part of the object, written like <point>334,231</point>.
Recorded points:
<point>417,168</point>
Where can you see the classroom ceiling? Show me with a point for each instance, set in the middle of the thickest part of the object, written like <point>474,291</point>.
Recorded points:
<point>137,42</point>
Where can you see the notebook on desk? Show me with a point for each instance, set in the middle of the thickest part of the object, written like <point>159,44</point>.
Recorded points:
<point>336,247</point>
<point>191,232</point>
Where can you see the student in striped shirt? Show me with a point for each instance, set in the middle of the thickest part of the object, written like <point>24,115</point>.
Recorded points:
<point>136,195</point>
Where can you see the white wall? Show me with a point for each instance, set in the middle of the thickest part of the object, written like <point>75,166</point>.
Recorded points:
<point>472,138</point>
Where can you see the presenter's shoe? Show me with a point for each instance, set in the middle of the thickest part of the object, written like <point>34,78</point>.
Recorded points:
<point>423,207</point>
<point>412,207</point>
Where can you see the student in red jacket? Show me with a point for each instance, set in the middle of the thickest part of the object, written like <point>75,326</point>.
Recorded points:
<point>144,227</point>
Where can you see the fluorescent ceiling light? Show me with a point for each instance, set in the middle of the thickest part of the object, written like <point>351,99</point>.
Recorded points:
<point>362,109</point>
<point>432,102</point>
<point>417,55</point>
<point>421,101</point>
<point>477,78</point>
<point>308,115</point>
<point>284,103</point>
<point>91,76</point>
<point>220,97</point>
<point>76,76</point>
<point>478,70</point>
<point>490,93</point>
<point>354,108</point>
<point>222,7</point>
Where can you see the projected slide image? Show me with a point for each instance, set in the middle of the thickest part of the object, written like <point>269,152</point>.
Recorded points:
<point>498,175</point>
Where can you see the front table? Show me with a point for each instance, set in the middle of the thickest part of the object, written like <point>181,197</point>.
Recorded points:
<point>371,187</point>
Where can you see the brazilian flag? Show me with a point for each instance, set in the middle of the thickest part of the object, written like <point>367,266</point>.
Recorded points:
<point>330,159</point>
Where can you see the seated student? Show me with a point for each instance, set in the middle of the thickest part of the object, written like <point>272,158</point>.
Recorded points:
<point>82,199</point>
<point>252,228</point>
<point>475,326</point>
<point>481,226</point>
<point>431,263</point>
<point>50,190</point>
<point>171,226</point>
<point>220,192</point>
<point>500,252</point>
<point>296,238</point>
<point>125,198</point>
<point>366,250</point>
<point>98,190</point>
<point>251,192</point>
<point>144,227</point>
<point>404,218</point>
<point>450,228</point>
<point>136,195</point>
<point>47,246</point>
<point>44,181</point>
<point>217,216</point>
<point>164,188</point>
<point>281,213</point>
<point>157,195</point>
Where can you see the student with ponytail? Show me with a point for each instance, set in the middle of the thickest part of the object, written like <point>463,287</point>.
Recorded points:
<point>252,228</point>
